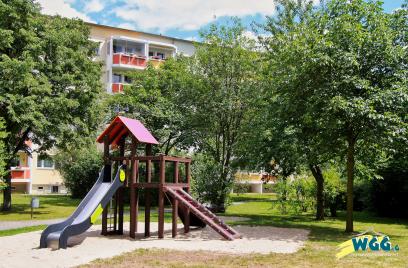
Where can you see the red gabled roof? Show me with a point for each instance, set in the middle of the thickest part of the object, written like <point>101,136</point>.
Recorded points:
<point>123,126</point>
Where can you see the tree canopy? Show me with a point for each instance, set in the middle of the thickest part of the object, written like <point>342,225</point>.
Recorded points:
<point>49,82</point>
<point>339,75</point>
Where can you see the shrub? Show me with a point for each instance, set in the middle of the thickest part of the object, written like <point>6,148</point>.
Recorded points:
<point>295,194</point>
<point>269,188</point>
<point>334,192</point>
<point>206,184</point>
<point>386,196</point>
<point>240,188</point>
<point>79,169</point>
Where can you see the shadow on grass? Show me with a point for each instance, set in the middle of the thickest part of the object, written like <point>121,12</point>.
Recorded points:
<point>329,230</point>
<point>58,200</point>
<point>248,198</point>
<point>317,233</point>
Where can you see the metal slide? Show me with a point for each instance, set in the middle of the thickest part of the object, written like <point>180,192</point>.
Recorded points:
<point>203,213</point>
<point>86,214</point>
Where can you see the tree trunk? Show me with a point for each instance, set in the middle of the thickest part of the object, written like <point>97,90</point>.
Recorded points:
<point>7,191</point>
<point>318,175</point>
<point>350,180</point>
<point>333,209</point>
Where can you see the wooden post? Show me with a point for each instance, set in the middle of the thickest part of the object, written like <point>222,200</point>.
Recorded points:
<point>174,211</point>
<point>187,210</point>
<point>188,176</point>
<point>176,172</point>
<point>107,171</point>
<point>133,208</point>
<point>136,194</point>
<point>148,197</point>
<point>161,196</point>
<point>148,150</point>
<point>148,201</point>
<point>121,190</point>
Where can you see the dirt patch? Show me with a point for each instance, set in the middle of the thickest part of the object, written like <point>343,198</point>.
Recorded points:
<point>22,249</point>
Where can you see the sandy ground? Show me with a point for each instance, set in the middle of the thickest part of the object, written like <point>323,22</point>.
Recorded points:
<point>22,250</point>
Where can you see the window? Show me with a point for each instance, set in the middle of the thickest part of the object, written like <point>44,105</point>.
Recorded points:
<point>117,48</point>
<point>116,78</point>
<point>54,189</point>
<point>97,49</point>
<point>45,162</point>
<point>127,79</point>
<point>13,188</point>
<point>160,55</point>
<point>151,53</point>
<point>40,188</point>
<point>15,162</point>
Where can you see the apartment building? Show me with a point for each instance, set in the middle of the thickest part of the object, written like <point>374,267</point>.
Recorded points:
<point>36,174</point>
<point>124,50</point>
<point>121,51</point>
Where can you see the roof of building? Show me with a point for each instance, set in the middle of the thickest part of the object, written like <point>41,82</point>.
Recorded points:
<point>122,126</point>
<point>152,34</point>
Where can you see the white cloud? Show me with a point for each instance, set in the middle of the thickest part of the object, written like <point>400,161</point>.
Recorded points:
<point>94,6</point>
<point>187,14</point>
<point>190,38</point>
<point>127,25</point>
<point>62,8</point>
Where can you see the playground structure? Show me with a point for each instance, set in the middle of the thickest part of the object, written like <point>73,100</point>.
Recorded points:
<point>128,151</point>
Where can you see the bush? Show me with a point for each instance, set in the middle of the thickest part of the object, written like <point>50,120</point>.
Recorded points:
<point>79,169</point>
<point>206,184</point>
<point>334,192</point>
<point>296,194</point>
<point>241,188</point>
<point>269,188</point>
<point>388,196</point>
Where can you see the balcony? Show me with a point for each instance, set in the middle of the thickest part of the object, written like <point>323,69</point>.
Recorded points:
<point>118,87</point>
<point>20,174</point>
<point>128,61</point>
<point>156,62</point>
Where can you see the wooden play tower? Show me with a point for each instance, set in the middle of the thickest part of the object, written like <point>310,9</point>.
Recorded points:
<point>127,142</point>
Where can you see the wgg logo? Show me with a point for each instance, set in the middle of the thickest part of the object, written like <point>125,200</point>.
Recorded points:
<point>366,243</point>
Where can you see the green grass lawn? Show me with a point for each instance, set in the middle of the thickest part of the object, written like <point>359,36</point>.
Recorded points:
<point>319,250</point>
<point>51,207</point>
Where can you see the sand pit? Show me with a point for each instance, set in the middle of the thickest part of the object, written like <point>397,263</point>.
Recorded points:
<point>22,250</point>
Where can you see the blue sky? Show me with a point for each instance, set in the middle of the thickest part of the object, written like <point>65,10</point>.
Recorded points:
<point>177,18</point>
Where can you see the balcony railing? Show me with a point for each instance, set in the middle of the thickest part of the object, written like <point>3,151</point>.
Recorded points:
<point>118,87</point>
<point>129,60</point>
<point>156,62</point>
<point>20,173</point>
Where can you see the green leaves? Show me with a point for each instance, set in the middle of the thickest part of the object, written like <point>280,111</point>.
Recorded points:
<point>49,84</point>
<point>338,78</point>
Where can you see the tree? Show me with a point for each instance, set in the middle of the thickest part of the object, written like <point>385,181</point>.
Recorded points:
<point>3,135</point>
<point>79,168</point>
<point>155,98</point>
<point>199,103</point>
<point>49,84</point>
<point>225,65</point>
<point>291,128</point>
<point>345,64</point>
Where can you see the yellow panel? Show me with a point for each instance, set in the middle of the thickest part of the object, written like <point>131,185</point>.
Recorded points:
<point>96,214</point>
<point>122,175</point>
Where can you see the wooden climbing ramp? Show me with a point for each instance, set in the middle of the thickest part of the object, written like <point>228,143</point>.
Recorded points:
<point>202,212</point>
